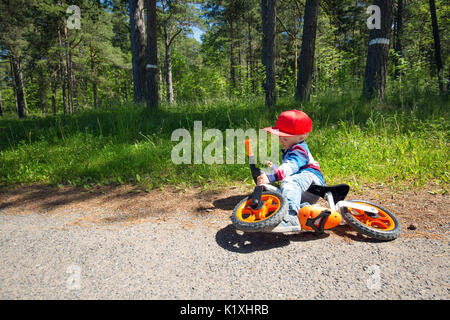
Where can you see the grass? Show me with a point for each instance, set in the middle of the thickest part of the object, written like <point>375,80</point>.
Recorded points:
<point>355,142</point>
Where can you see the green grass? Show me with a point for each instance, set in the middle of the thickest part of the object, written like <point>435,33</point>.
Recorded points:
<point>354,141</point>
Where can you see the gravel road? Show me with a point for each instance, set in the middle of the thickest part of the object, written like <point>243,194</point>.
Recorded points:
<point>44,257</point>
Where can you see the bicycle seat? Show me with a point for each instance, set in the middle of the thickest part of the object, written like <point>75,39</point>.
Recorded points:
<point>338,191</point>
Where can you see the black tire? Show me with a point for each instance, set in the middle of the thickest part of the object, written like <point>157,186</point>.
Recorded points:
<point>264,224</point>
<point>372,232</point>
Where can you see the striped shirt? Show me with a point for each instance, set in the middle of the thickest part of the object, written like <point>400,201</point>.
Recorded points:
<point>296,159</point>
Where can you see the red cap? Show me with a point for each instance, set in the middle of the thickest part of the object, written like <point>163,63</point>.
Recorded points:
<point>291,123</point>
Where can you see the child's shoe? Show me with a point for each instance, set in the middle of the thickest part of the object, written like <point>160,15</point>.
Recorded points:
<point>290,223</point>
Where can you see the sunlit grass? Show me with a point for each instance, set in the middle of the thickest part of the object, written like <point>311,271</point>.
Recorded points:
<point>354,141</point>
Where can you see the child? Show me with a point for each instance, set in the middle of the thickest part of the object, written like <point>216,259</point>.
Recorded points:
<point>298,170</point>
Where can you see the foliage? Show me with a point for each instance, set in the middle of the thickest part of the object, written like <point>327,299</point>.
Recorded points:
<point>204,70</point>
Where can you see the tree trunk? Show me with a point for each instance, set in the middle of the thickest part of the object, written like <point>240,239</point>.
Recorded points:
<point>94,80</point>
<point>168,55</point>
<point>307,52</point>
<point>268,13</point>
<point>19,86</point>
<point>398,28</point>
<point>169,81</point>
<point>437,45</point>
<point>1,105</point>
<point>53,89</point>
<point>69,70</point>
<point>152,56</point>
<point>138,47</point>
<point>232,57</point>
<point>250,51</point>
<point>239,69</point>
<point>355,45</point>
<point>250,60</point>
<point>377,55</point>
<point>296,39</point>
<point>296,59</point>
<point>42,91</point>
<point>13,84</point>
<point>70,79</point>
<point>160,85</point>
<point>63,71</point>
<point>398,35</point>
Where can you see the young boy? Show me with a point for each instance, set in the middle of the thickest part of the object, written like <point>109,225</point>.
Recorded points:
<point>298,169</point>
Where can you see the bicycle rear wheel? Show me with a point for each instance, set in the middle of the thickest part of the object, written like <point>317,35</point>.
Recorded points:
<point>381,226</point>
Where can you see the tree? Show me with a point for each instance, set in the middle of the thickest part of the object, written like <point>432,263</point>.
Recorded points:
<point>437,45</point>
<point>4,75</point>
<point>177,16</point>
<point>304,82</point>
<point>97,39</point>
<point>15,23</point>
<point>137,35</point>
<point>41,52</point>
<point>18,84</point>
<point>292,12</point>
<point>4,80</point>
<point>225,18</point>
<point>152,56</point>
<point>268,16</point>
<point>253,19</point>
<point>62,67</point>
<point>69,44</point>
<point>398,33</point>
<point>377,54</point>
<point>1,87</point>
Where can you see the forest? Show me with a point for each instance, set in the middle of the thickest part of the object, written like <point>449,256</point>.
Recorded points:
<point>90,90</point>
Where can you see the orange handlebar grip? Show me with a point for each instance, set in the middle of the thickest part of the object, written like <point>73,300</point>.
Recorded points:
<point>248,148</point>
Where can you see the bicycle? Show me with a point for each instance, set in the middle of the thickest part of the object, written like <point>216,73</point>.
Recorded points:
<point>266,207</point>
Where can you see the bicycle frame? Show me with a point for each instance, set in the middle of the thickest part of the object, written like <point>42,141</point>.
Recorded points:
<point>334,207</point>
<point>311,217</point>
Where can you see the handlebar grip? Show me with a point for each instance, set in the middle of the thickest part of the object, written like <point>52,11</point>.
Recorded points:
<point>248,148</point>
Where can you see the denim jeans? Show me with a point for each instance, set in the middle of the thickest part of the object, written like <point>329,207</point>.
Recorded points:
<point>294,189</point>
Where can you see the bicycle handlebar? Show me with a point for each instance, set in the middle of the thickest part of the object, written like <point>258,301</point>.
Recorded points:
<point>256,172</point>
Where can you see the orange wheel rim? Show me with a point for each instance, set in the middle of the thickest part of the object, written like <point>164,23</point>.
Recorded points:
<point>247,214</point>
<point>383,222</point>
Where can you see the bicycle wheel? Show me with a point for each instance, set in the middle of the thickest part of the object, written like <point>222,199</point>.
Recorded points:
<point>382,226</point>
<point>246,218</point>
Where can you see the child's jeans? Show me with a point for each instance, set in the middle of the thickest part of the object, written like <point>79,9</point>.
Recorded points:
<point>294,189</point>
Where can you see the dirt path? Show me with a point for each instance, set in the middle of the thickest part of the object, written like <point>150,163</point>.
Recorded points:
<point>120,242</point>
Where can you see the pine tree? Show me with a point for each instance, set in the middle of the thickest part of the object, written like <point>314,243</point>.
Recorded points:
<point>437,45</point>
<point>15,23</point>
<point>138,39</point>
<point>398,34</point>
<point>304,82</point>
<point>97,38</point>
<point>377,55</point>
<point>152,56</point>
<point>268,16</point>
<point>226,16</point>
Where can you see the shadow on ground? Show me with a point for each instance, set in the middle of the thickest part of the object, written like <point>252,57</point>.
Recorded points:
<point>238,241</point>
<point>228,203</point>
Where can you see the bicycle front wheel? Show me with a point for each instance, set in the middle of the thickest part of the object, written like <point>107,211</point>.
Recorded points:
<point>246,218</point>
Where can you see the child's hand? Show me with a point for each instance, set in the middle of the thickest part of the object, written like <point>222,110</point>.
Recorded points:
<point>269,164</point>
<point>262,179</point>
